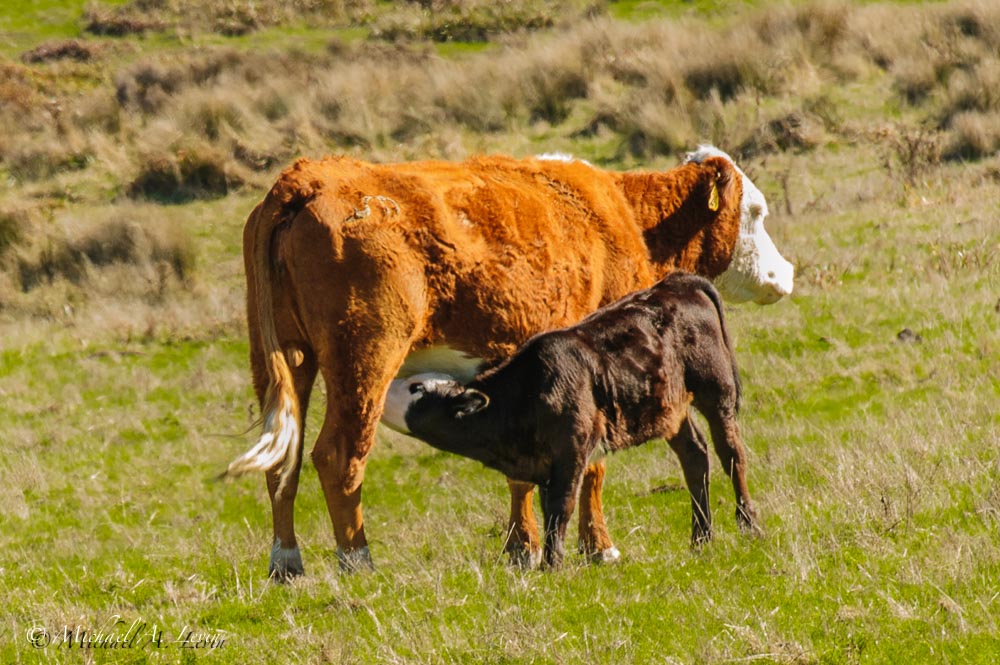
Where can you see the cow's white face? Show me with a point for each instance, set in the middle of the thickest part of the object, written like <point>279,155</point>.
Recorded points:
<point>757,271</point>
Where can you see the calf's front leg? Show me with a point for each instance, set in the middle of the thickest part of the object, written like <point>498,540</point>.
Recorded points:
<point>558,502</point>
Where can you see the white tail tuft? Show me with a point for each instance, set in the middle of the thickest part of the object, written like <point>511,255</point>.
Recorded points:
<point>278,443</point>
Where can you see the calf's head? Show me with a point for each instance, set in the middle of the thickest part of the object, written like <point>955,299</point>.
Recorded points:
<point>430,405</point>
<point>757,271</point>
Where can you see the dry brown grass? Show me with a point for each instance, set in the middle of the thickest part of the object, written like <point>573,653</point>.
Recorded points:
<point>655,87</point>
<point>65,259</point>
<point>226,17</point>
<point>210,121</point>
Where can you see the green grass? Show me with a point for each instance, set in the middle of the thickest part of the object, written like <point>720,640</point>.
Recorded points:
<point>25,23</point>
<point>874,462</point>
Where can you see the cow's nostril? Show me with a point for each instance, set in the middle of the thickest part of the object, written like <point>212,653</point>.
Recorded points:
<point>770,274</point>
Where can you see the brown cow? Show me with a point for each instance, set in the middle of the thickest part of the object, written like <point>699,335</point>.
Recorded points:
<point>622,376</point>
<point>351,266</point>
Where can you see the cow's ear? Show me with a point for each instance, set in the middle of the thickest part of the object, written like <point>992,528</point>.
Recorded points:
<point>469,402</point>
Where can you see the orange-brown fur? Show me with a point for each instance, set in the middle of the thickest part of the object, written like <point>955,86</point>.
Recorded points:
<point>351,265</point>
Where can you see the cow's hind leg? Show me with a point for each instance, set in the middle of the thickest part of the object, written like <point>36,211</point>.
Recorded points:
<point>692,451</point>
<point>595,542</point>
<point>286,560</point>
<point>356,387</point>
<point>357,375</point>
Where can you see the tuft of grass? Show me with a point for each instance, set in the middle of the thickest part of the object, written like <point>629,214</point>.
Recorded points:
<point>470,21</point>
<point>120,240</point>
<point>183,175</point>
<point>66,49</point>
<point>974,136</point>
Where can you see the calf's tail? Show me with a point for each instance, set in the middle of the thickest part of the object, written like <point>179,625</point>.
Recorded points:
<point>713,295</point>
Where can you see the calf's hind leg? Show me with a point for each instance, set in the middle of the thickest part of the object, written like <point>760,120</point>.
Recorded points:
<point>729,447</point>
<point>692,451</point>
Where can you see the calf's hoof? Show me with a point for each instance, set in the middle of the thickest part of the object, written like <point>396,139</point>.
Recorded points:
<point>524,557</point>
<point>700,537</point>
<point>286,563</point>
<point>746,519</point>
<point>355,561</point>
<point>606,556</point>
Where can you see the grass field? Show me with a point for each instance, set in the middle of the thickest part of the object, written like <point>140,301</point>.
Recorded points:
<point>124,386</point>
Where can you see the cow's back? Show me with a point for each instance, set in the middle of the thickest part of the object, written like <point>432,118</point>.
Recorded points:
<point>507,247</point>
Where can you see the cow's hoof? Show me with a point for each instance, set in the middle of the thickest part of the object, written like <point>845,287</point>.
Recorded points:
<point>355,561</point>
<point>610,555</point>
<point>286,563</point>
<point>525,558</point>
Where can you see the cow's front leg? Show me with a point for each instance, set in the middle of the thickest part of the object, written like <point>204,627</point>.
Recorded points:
<point>522,546</point>
<point>595,542</point>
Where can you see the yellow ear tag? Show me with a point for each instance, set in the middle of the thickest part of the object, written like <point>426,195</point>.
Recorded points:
<point>713,198</point>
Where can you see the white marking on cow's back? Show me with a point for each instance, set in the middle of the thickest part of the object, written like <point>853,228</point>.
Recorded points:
<point>560,157</point>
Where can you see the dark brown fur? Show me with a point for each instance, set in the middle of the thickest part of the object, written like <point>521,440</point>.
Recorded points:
<point>624,375</point>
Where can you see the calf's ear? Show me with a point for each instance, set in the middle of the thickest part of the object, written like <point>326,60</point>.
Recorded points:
<point>469,402</point>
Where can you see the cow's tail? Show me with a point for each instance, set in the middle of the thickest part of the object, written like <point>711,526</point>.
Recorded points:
<point>281,435</point>
<point>713,295</point>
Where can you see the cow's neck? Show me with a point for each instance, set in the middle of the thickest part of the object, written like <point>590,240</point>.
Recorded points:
<point>681,230</point>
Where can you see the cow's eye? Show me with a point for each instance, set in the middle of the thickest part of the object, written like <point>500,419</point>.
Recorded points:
<point>756,211</point>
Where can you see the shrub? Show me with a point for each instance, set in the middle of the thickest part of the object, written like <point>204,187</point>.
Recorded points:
<point>911,152</point>
<point>973,136</point>
<point>119,241</point>
<point>118,21</point>
<point>183,176</point>
<point>914,78</point>
<point>468,21</point>
<point>227,17</point>
<point>68,49</point>
<point>797,130</point>
<point>17,92</point>
<point>974,90</point>
<point>12,225</point>
<point>27,161</point>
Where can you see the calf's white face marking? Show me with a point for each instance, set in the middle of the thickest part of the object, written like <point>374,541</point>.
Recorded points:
<point>757,271</point>
<point>400,396</point>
